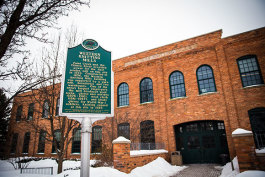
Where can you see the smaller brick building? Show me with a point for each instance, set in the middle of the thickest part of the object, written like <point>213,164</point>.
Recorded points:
<point>187,96</point>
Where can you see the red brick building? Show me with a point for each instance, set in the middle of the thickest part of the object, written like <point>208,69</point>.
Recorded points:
<point>187,96</point>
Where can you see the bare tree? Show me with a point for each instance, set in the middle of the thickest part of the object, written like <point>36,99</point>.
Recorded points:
<point>21,20</point>
<point>58,129</point>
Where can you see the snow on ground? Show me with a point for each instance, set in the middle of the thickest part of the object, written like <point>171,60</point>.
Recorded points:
<point>157,168</point>
<point>251,173</point>
<point>227,169</point>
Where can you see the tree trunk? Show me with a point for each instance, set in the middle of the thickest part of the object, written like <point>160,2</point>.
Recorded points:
<point>60,164</point>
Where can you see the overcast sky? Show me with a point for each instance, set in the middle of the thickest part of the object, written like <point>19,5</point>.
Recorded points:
<point>126,27</point>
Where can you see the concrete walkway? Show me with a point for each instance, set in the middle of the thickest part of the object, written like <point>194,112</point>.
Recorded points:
<point>200,170</point>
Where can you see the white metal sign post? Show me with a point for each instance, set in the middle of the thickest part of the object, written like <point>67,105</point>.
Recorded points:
<point>86,91</point>
<point>85,148</point>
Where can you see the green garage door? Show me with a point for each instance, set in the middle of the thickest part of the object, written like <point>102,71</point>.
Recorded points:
<point>201,141</point>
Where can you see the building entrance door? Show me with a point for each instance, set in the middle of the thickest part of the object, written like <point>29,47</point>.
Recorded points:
<point>201,141</point>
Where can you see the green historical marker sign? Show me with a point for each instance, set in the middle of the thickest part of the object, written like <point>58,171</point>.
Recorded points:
<point>86,88</point>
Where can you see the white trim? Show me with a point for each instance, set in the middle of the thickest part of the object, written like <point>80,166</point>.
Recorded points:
<point>251,86</point>
<point>147,152</point>
<point>147,103</point>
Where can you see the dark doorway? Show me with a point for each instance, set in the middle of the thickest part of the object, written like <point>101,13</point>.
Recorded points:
<point>201,141</point>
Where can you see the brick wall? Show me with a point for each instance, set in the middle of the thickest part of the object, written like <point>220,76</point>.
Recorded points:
<point>123,161</point>
<point>248,159</point>
<point>230,103</point>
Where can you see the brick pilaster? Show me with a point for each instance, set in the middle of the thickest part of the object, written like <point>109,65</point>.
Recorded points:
<point>121,155</point>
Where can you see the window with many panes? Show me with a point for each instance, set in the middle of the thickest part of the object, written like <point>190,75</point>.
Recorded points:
<point>14,143</point>
<point>57,107</point>
<point>257,122</point>
<point>31,111</point>
<point>205,79</point>
<point>123,94</point>
<point>177,86</point>
<point>124,130</point>
<point>26,143</point>
<point>56,140</point>
<point>76,142</point>
<point>249,70</point>
<point>19,113</point>
<point>41,145</point>
<point>147,131</point>
<point>45,109</point>
<point>96,139</point>
<point>146,90</point>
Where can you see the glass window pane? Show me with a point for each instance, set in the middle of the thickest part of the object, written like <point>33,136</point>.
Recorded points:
<point>19,113</point>
<point>31,111</point>
<point>146,90</point>
<point>205,79</point>
<point>124,130</point>
<point>26,143</point>
<point>41,145</point>
<point>96,139</point>
<point>76,142</point>
<point>123,94</point>
<point>177,87</point>
<point>249,71</point>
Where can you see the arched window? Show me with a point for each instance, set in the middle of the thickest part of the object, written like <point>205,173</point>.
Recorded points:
<point>257,121</point>
<point>124,130</point>
<point>19,113</point>
<point>41,145</point>
<point>249,70</point>
<point>96,139</point>
<point>146,90</point>
<point>177,86</point>
<point>57,139</point>
<point>147,131</point>
<point>57,107</point>
<point>205,79</point>
<point>45,109</point>
<point>31,111</point>
<point>26,143</point>
<point>123,94</point>
<point>76,142</point>
<point>14,143</point>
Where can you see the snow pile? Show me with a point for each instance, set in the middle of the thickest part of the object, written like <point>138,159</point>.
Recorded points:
<point>42,163</point>
<point>95,172</point>
<point>251,173</point>
<point>5,165</point>
<point>147,152</point>
<point>227,169</point>
<point>157,168</point>
<point>121,140</point>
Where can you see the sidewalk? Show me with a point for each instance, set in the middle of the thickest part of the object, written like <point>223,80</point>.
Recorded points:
<point>199,170</point>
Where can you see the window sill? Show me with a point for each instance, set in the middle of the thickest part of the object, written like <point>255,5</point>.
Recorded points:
<point>96,153</point>
<point>208,93</point>
<point>125,106</point>
<point>76,153</point>
<point>147,103</point>
<point>253,86</point>
<point>178,98</point>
